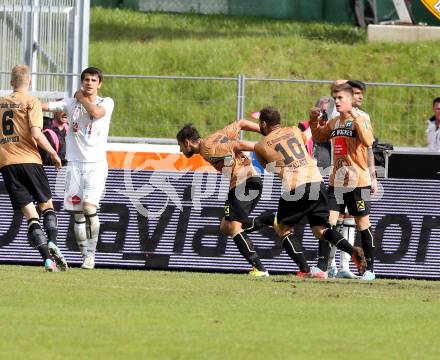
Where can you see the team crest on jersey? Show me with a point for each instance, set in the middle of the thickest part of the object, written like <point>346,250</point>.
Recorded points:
<point>349,124</point>
<point>360,205</point>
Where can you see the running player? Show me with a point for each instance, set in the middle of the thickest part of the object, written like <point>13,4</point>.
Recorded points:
<point>350,181</point>
<point>89,118</point>
<point>224,150</point>
<point>21,166</point>
<point>283,151</point>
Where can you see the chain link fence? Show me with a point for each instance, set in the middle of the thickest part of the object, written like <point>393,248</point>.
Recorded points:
<point>51,36</point>
<point>158,106</point>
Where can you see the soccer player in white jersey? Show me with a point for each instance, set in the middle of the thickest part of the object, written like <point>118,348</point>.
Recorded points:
<point>89,118</point>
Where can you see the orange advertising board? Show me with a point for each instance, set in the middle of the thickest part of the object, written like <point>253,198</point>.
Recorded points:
<point>157,161</point>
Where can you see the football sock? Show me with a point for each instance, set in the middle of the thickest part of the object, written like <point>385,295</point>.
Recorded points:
<point>92,230</point>
<point>323,253</point>
<point>335,238</point>
<point>332,256</point>
<point>80,233</point>
<point>246,248</point>
<point>37,239</point>
<point>294,249</point>
<point>368,246</point>
<point>349,234</point>
<point>258,222</point>
<point>50,225</point>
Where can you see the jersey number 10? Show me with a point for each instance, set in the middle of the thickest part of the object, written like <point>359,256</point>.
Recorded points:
<point>295,150</point>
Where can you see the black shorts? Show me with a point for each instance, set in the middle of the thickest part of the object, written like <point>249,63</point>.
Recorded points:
<point>237,209</point>
<point>25,184</point>
<point>308,200</point>
<point>357,200</point>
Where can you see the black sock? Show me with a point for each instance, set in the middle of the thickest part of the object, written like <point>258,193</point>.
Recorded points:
<point>50,225</point>
<point>368,246</point>
<point>246,248</point>
<point>258,222</point>
<point>295,252</point>
<point>37,239</point>
<point>335,238</point>
<point>323,254</point>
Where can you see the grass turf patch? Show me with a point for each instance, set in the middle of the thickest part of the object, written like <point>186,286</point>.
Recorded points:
<point>130,42</point>
<point>188,315</point>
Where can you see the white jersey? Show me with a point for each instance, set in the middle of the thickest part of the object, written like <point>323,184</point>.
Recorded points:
<point>87,137</point>
<point>433,136</point>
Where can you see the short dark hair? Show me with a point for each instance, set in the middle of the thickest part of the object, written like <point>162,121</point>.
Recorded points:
<point>92,71</point>
<point>343,87</point>
<point>188,132</point>
<point>270,116</point>
<point>357,84</point>
<point>435,101</point>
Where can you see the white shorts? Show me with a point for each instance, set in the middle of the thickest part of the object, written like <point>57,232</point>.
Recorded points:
<point>85,182</point>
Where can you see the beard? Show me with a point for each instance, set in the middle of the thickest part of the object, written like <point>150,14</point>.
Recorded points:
<point>188,154</point>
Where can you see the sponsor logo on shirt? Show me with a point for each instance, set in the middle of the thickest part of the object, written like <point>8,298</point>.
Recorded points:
<point>340,147</point>
<point>343,132</point>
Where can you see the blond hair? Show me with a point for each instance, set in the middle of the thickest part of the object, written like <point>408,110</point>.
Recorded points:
<point>336,83</point>
<point>342,87</point>
<point>20,76</point>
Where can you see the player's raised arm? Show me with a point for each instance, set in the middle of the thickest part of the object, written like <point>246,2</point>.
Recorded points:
<point>93,109</point>
<point>247,125</point>
<point>244,145</point>
<point>320,133</point>
<point>363,128</point>
<point>54,106</point>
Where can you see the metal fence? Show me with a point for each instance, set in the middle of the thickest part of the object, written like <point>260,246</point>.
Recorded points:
<point>51,36</point>
<point>148,106</point>
<point>157,106</point>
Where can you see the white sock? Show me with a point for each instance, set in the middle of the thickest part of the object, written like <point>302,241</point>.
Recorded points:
<point>80,233</point>
<point>92,230</point>
<point>348,233</point>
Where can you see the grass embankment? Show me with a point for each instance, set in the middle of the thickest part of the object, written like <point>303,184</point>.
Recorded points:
<point>129,42</point>
<point>115,314</point>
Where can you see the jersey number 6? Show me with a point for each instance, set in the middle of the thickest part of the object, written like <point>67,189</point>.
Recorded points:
<point>8,123</point>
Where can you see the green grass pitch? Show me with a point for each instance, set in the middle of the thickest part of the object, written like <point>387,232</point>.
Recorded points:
<point>120,314</point>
